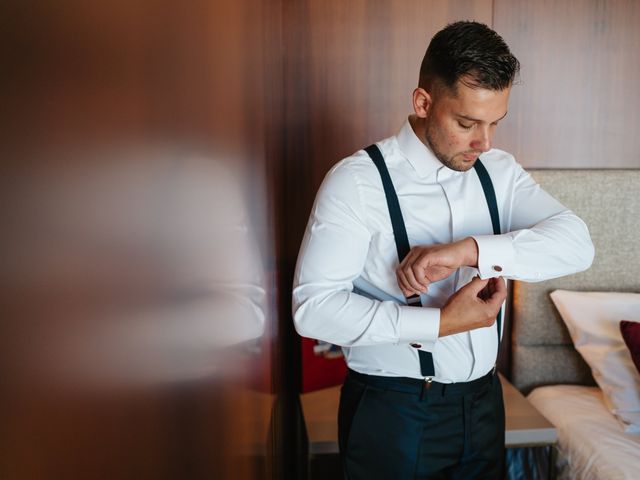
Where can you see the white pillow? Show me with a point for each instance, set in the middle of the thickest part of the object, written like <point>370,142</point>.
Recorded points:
<point>593,320</point>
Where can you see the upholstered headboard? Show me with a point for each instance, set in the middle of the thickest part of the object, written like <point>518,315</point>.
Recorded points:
<point>609,203</point>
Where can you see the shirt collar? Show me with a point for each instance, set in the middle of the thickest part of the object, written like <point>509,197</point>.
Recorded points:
<point>420,157</point>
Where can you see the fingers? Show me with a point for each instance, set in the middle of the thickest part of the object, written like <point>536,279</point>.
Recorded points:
<point>484,293</point>
<point>487,291</point>
<point>473,306</point>
<point>475,286</point>
<point>416,278</point>
<point>499,291</point>
<point>403,283</point>
<point>410,275</point>
<point>424,265</point>
<point>494,292</point>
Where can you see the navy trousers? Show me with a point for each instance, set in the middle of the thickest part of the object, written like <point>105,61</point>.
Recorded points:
<point>396,428</point>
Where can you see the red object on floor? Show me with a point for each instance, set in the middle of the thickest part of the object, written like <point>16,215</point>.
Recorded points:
<point>323,365</point>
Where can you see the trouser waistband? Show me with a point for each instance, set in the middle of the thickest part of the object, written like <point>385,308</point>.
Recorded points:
<point>419,386</point>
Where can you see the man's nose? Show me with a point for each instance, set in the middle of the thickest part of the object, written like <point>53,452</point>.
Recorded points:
<point>482,141</point>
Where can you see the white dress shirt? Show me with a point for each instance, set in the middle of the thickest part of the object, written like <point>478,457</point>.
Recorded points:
<point>345,289</point>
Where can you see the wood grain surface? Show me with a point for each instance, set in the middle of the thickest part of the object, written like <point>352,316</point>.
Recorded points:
<point>577,104</point>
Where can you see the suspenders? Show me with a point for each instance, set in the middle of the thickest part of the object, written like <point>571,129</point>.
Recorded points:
<point>490,197</point>
<point>402,241</point>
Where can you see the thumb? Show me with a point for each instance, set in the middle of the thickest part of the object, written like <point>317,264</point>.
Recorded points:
<point>476,284</point>
<point>499,292</point>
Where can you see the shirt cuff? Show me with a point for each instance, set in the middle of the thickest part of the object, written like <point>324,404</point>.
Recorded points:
<point>496,256</point>
<point>420,326</point>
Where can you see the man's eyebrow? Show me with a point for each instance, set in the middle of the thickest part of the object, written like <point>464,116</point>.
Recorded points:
<point>471,119</point>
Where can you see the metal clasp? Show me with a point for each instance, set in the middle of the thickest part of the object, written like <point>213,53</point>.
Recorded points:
<point>426,385</point>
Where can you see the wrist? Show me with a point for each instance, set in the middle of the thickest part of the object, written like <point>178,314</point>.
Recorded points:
<point>443,324</point>
<point>470,248</point>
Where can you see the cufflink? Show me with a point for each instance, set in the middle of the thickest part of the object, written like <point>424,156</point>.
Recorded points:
<point>497,268</point>
<point>415,345</point>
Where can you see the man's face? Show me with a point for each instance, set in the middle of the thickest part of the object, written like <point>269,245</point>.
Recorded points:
<point>460,123</point>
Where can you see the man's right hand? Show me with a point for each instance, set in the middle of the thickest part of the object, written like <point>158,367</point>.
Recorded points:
<point>474,306</point>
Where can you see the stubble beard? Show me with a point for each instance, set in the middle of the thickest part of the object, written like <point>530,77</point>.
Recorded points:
<point>447,161</point>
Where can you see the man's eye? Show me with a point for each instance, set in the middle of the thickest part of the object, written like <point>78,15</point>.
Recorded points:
<point>466,127</point>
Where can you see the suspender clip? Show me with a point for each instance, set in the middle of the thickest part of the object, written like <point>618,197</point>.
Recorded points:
<point>426,385</point>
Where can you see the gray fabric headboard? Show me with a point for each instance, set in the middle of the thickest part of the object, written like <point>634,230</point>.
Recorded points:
<point>609,203</point>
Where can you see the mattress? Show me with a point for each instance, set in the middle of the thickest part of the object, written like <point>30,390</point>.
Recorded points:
<point>592,444</point>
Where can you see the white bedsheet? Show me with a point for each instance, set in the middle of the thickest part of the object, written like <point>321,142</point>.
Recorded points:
<point>591,442</point>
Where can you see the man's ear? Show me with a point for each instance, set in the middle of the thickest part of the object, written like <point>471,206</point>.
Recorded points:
<point>421,102</point>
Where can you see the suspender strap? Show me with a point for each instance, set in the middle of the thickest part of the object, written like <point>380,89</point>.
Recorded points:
<point>402,241</point>
<point>397,220</point>
<point>490,196</point>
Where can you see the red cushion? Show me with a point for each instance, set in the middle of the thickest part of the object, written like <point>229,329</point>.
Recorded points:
<point>631,334</point>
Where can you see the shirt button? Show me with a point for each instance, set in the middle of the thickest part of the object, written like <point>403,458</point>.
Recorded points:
<point>497,268</point>
<point>415,345</point>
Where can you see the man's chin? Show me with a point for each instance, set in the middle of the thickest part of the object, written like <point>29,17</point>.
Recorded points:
<point>466,167</point>
<point>460,165</point>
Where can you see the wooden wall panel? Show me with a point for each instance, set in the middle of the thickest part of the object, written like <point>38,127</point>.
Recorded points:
<point>578,104</point>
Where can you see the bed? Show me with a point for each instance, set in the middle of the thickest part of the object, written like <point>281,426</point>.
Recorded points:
<point>593,443</point>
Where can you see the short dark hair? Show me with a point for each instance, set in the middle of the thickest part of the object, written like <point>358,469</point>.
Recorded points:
<point>470,52</point>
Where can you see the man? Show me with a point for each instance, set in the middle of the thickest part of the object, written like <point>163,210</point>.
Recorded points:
<point>421,399</point>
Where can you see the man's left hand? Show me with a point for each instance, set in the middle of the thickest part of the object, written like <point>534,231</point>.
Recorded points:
<point>424,265</point>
